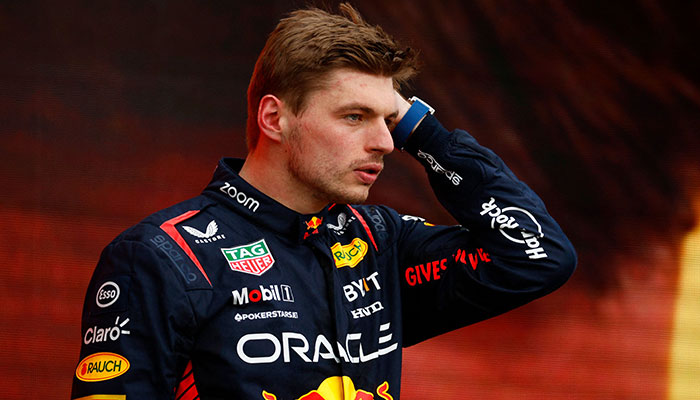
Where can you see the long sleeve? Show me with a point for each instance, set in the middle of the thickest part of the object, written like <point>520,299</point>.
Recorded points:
<point>506,251</point>
<point>136,324</point>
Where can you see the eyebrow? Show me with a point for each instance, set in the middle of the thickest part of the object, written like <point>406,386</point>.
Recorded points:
<point>364,109</point>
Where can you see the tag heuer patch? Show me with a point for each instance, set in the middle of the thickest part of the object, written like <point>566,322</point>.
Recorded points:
<point>253,258</point>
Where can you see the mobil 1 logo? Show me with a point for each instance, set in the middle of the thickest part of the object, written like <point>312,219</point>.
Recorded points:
<point>263,293</point>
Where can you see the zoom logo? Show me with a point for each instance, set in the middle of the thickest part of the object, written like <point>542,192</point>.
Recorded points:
<point>240,197</point>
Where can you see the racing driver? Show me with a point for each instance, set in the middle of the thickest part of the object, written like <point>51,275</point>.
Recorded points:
<point>276,282</point>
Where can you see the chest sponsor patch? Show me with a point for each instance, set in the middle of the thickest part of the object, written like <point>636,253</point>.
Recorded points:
<point>253,258</point>
<point>349,255</point>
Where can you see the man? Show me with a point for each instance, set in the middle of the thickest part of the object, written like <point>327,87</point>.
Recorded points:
<point>271,285</point>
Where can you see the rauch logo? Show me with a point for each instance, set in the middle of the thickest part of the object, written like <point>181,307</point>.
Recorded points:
<point>253,258</point>
<point>101,367</point>
<point>349,255</point>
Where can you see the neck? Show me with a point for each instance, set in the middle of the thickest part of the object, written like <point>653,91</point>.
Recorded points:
<point>270,175</point>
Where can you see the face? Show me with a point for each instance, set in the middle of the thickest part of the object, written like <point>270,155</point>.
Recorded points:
<point>336,145</point>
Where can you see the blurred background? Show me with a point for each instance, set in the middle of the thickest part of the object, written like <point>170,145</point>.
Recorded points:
<point>111,110</point>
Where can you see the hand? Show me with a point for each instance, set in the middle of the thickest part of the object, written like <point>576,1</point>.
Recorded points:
<point>402,106</point>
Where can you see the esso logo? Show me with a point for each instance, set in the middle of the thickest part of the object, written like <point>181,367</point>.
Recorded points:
<point>107,294</point>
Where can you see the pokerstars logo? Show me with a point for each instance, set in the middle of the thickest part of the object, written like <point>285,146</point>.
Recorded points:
<point>253,258</point>
<point>109,334</point>
<point>349,255</point>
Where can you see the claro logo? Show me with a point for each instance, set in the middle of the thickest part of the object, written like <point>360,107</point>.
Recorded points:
<point>96,334</point>
<point>101,367</point>
<point>240,197</point>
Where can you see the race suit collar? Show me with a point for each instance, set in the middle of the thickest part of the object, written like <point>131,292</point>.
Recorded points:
<point>230,189</point>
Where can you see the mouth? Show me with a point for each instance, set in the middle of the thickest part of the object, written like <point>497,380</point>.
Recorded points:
<point>368,173</point>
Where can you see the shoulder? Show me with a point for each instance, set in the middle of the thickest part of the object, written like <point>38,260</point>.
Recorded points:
<point>380,221</point>
<point>153,246</point>
<point>383,218</point>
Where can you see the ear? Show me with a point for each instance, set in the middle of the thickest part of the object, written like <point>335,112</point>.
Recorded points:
<point>271,117</point>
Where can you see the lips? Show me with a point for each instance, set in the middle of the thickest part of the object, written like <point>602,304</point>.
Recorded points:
<point>368,173</point>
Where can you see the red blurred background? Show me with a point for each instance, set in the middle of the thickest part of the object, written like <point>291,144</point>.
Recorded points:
<point>112,110</point>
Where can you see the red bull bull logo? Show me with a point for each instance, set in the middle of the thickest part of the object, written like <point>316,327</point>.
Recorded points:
<point>313,223</point>
<point>339,388</point>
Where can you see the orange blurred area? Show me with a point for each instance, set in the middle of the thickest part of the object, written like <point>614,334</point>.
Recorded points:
<point>113,110</point>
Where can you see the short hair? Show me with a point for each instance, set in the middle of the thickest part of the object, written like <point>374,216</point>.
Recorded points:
<point>309,44</point>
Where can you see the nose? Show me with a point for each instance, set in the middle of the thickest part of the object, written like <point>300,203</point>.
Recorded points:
<point>380,140</point>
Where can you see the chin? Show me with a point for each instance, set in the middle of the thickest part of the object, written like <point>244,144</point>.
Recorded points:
<point>358,199</point>
<point>351,198</point>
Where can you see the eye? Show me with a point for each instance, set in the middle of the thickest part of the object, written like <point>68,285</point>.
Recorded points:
<point>353,117</point>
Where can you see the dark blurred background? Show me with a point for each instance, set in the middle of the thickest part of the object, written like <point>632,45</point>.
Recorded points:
<point>111,110</point>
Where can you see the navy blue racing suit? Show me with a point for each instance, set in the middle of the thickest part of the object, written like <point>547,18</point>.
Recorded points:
<point>231,295</point>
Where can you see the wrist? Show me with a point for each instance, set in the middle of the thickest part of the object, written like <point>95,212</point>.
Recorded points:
<point>410,121</point>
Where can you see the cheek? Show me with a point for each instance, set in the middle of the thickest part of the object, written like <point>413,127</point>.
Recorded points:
<point>323,140</point>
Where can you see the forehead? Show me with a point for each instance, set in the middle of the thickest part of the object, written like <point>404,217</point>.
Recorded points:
<point>342,87</point>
